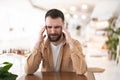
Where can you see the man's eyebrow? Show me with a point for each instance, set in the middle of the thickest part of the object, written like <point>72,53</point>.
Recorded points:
<point>48,26</point>
<point>54,26</point>
<point>57,26</point>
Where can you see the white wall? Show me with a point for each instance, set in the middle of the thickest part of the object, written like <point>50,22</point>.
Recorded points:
<point>104,10</point>
<point>25,20</point>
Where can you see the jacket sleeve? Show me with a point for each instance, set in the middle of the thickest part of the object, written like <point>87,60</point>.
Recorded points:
<point>33,61</point>
<point>78,60</point>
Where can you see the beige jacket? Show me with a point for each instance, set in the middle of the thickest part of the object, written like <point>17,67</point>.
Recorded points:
<point>70,60</point>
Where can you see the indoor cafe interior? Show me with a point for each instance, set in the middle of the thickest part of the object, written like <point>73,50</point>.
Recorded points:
<point>94,23</point>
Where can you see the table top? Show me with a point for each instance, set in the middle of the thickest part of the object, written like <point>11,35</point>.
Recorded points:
<point>55,76</point>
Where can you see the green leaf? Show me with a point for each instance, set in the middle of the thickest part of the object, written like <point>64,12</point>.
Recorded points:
<point>7,66</point>
<point>8,76</point>
<point>4,74</point>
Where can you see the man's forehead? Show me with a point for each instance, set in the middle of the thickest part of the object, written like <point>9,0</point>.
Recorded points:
<point>55,21</point>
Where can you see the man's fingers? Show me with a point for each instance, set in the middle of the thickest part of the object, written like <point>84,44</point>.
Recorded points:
<point>44,36</point>
<point>64,30</point>
<point>42,30</point>
<point>41,34</point>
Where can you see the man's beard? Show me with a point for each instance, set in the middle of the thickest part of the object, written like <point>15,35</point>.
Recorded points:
<point>54,37</point>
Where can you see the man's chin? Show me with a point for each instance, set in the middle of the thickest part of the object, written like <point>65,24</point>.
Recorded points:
<point>52,40</point>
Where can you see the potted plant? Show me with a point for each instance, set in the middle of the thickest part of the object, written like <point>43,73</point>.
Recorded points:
<point>112,44</point>
<point>113,40</point>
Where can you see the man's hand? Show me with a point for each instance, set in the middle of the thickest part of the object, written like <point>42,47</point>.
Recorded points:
<point>68,37</point>
<point>41,37</point>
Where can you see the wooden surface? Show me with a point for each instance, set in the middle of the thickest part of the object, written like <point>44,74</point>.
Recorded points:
<point>95,70</point>
<point>57,76</point>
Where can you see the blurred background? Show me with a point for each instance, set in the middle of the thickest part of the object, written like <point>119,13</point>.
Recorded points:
<point>21,20</point>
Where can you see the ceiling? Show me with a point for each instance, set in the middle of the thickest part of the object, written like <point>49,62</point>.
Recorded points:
<point>47,4</point>
<point>66,5</point>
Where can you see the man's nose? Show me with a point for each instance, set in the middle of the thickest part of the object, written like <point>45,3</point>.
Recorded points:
<point>52,30</point>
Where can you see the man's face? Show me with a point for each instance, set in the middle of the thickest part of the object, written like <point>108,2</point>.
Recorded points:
<point>54,28</point>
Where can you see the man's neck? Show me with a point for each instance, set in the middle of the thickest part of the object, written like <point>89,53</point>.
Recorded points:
<point>58,42</point>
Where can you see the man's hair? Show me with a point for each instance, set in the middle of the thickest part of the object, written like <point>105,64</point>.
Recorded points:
<point>55,13</point>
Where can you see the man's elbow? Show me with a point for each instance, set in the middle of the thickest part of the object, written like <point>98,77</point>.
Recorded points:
<point>28,70</point>
<point>82,71</point>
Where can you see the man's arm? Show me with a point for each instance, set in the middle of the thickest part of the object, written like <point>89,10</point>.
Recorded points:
<point>33,61</point>
<point>79,63</point>
<point>77,56</point>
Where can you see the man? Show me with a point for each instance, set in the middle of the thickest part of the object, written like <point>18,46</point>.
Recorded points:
<point>59,52</point>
